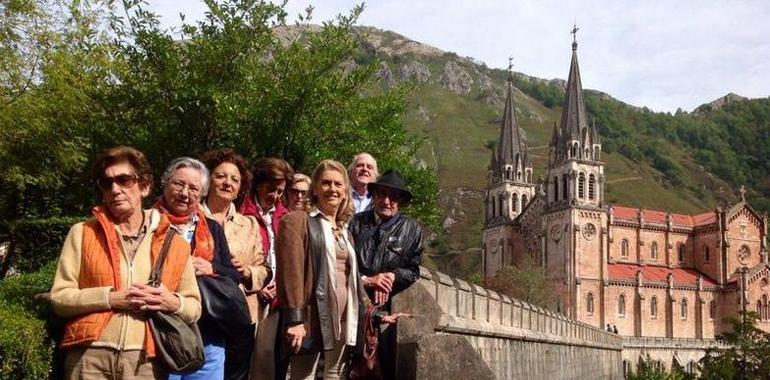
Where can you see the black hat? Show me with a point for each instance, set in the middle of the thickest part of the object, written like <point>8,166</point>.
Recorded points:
<point>392,179</point>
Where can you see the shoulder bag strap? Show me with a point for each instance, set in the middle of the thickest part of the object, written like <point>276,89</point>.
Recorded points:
<point>155,275</point>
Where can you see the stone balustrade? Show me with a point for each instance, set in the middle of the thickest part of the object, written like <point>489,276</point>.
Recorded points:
<point>462,330</point>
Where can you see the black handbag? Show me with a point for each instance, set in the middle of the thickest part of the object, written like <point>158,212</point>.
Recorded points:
<point>177,344</point>
<point>224,304</point>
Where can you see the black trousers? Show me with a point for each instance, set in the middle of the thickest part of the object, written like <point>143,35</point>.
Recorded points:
<point>238,349</point>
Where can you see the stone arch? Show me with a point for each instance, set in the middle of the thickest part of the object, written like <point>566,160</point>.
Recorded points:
<point>590,303</point>
<point>624,248</point>
<point>622,305</point>
<point>683,311</point>
<point>556,189</point>
<point>565,187</point>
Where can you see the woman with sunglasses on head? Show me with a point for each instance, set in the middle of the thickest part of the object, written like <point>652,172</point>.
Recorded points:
<point>185,182</point>
<point>229,182</point>
<point>103,268</point>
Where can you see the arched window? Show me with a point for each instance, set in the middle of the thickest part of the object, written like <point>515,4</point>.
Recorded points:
<point>590,303</point>
<point>763,315</point>
<point>508,173</point>
<point>680,253</point>
<point>624,248</point>
<point>494,206</point>
<point>622,305</point>
<point>581,185</point>
<point>555,189</point>
<point>654,307</point>
<point>574,149</point>
<point>502,205</point>
<point>564,187</point>
<point>523,201</point>
<point>654,250</point>
<point>706,253</point>
<point>591,186</point>
<point>515,202</point>
<point>712,309</point>
<point>684,308</point>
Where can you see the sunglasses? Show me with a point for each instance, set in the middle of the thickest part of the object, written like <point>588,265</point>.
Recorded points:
<point>123,180</point>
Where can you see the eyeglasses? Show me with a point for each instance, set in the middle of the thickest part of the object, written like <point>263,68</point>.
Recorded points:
<point>123,180</point>
<point>298,193</point>
<point>179,186</point>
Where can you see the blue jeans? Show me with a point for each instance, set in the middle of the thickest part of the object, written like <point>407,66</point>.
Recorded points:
<point>214,366</point>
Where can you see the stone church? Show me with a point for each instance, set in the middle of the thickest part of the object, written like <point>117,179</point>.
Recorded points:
<point>651,273</point>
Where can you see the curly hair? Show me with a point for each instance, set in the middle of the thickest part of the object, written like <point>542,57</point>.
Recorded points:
<point>216,157</point>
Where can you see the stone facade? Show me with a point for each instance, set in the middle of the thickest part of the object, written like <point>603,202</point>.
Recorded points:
<point>648,273</point>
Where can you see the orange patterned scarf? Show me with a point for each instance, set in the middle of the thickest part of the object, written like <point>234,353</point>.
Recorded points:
<point>204,242</point>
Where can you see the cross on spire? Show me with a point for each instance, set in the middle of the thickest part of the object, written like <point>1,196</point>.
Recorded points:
<point>574,35</point>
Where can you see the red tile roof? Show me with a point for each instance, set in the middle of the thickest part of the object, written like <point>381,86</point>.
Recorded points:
<point>682,276</point>
<point>631,213</point>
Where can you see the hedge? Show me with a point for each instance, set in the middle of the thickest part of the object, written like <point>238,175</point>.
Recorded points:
<point>27,325</point>
<point>34,242</point>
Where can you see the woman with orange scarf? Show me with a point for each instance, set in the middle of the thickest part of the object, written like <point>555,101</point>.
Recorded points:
<point>103,268</point>
<point>184,183</point>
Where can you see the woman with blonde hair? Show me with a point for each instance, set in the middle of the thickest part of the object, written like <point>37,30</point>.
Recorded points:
<point>318,280</point>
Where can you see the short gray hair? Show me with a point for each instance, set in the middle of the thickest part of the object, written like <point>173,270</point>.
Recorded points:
<point>186,162</point>
<point>352,165</point>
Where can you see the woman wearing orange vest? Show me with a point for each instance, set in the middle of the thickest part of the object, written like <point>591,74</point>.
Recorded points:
<point>104,266</point>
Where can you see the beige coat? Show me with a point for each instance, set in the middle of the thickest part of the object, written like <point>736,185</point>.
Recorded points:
<point>243,238</point>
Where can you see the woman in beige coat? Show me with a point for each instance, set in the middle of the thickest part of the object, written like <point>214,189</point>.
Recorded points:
<point>229,181</point>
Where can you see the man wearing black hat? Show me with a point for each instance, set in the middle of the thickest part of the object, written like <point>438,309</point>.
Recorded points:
<point>389,249</point>
<point>388,244</point>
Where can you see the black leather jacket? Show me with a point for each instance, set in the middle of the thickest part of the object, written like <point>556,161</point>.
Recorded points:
<point>391,246</point>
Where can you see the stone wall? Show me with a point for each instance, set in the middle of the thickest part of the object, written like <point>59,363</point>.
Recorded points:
<point>465,331</point>
<point>666,351</point>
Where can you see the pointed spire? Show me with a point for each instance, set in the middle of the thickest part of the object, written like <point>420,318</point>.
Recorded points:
<point>510,144</point>
<point>573,118</point>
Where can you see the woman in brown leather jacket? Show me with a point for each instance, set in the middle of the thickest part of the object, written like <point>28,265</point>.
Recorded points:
<point>319,285</point>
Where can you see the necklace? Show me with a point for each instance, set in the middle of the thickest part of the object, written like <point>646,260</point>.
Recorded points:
<point>338,237</point>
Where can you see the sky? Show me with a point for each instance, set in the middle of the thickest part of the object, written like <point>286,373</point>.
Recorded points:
<point>663,55</point>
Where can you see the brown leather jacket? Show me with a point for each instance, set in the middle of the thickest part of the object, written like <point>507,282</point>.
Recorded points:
<point>303,280</point>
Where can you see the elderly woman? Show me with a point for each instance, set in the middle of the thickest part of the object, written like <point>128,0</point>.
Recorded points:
<point>229,182</point>
<point>318,280</point>
<point>297,196</point>
<point>102,271</point>
<point>184,183</point>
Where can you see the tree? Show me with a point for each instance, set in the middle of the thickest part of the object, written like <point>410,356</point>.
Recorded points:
<point>525,281</point>
<point>240,78</point>
<point>745,355</point>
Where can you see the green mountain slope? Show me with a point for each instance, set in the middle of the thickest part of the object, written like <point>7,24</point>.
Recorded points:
<point>653,160</point>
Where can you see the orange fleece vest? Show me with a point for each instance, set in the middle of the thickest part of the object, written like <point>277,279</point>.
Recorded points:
<point>100,266</point>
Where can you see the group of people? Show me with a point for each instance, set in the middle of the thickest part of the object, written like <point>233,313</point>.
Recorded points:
<point>309,254</point>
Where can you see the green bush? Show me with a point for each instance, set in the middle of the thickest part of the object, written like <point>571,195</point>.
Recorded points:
<point>25,349</point>
<point>35,242</point>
